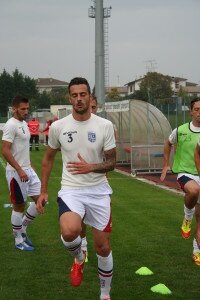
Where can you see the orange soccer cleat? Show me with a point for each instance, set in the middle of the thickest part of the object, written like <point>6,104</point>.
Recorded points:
<point>76,275</point>
<point>196,258</point>
<point>186,228</point>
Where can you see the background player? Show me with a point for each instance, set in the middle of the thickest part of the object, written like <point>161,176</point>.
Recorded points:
<point>22,179</point>
<point>185,137</point>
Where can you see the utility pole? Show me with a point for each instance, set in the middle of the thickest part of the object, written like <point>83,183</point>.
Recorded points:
<point>98,12</point>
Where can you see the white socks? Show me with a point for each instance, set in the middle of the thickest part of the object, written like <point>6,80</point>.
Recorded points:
<point>105,270</point>
<point>195,247</point>
<point>16,221</point>
<point>29,216</point>
<point>20,222</point>
<point>74,248</point>
<point>84,244</point>
<point>189,213</point>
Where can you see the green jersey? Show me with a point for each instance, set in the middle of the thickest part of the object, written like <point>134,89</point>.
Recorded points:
<point>186,144</point>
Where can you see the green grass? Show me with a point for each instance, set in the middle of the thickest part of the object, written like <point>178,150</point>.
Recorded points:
<point>146,232</point>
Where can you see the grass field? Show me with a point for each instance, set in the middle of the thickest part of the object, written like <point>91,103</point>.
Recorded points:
<point>146,232</point>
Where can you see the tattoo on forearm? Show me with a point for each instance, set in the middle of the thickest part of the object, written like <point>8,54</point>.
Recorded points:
<point>108,164</point>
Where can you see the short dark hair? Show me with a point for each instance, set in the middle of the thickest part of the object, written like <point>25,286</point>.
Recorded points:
<point>193,102</point>
<point>19,99</point>
<point>77,81</point>
<point>94,98</point>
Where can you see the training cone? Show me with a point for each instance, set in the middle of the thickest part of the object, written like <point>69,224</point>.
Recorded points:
<point>144,271</point>
<point>161,289</point>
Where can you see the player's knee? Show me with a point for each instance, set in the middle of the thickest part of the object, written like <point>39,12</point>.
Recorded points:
<point>70,234</point>
<point>19,207</point>
<point>194,193</point>
<point>103,249</point>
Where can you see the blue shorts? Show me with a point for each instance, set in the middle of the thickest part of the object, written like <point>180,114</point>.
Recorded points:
<point>183,180</point>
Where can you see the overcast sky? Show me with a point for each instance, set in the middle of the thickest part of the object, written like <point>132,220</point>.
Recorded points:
<point>55,38</point>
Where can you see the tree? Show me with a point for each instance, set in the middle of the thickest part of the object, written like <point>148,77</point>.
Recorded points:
<point>18,82</point>
<point>15,84</point>
<point>113,94</point>
<point>59,96</point>
<point>24,85</point>
<point>156,86</point>
<point>136,95</point>
<point>30,87</point>
<point>43,100</point>
<point>6,91</point>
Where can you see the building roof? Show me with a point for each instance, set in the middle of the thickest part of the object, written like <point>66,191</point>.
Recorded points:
<point>136,80</point>
<point>192,89</point>
<point>191,83</point>
<point>49,82</point>
<point>174,78</point>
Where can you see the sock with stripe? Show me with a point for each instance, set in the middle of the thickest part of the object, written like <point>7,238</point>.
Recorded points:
<point>105,270</point>
<point>189,213</point>
<point>16,221</point>
<point>84,244</point>
<point>29,216</point>
<point>74,248</point>
<point>195,247</point>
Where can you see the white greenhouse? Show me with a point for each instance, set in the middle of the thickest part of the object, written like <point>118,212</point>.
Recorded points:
<point>141,130</point>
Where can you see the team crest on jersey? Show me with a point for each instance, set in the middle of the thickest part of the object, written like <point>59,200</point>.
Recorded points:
<point>92,137</point>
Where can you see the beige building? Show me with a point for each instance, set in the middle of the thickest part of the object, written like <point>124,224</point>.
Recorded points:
<point>192,90</point>
<point>48,84</point>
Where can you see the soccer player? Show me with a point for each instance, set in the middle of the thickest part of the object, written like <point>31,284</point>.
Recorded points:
<point>93,104</point>
<point>22,179</point>
<point>88,151</point>
<point>197,207</point>
<point>185,137</point>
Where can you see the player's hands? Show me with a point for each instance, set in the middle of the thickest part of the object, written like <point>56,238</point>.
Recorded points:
<point>164,172</point>
<point>41,201</point>
<point>79,167</point>
<point>23,176</point>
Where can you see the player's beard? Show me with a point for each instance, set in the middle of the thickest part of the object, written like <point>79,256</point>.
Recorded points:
<point>82,111</point>
<point>20,118</point>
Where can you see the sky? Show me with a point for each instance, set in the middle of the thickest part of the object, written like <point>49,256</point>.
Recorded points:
<point>56,38</point>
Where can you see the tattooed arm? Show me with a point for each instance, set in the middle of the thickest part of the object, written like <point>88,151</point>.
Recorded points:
<point>82,167</point>
<point>108,164</point>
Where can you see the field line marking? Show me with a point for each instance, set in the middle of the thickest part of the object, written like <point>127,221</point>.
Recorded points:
<point>3,164</point>
<point>151,182</point>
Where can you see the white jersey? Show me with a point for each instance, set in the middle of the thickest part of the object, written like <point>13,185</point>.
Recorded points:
<point>173,135</point>
<point>89,138</point>
<point>17,133</point>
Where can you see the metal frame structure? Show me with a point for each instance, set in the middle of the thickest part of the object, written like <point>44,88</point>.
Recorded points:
<point>101,15</point>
